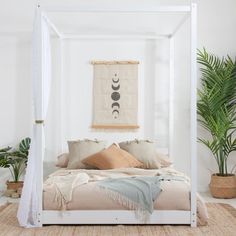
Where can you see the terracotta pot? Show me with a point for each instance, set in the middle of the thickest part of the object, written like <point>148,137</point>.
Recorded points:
<point>14,185</point>
<point>223,186</point>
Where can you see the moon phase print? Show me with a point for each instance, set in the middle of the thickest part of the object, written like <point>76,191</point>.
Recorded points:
<point>115,94</point>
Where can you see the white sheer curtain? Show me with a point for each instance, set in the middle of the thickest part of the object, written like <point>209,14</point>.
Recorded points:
<point>30,205</point>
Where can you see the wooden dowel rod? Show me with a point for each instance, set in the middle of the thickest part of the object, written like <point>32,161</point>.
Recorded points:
<point>113,62</point>
<point>115,126</point>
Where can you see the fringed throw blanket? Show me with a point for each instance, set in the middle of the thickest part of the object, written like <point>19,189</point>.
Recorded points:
<point>64,185</point>
<point>136,193</point>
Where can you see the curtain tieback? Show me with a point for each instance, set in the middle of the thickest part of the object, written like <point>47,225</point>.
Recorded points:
<point>39,121</point>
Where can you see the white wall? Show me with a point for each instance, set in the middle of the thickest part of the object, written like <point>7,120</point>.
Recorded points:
<point>216,24</point>
<point>72,94</point>
<point>15,95</point>
<point>15,89</point>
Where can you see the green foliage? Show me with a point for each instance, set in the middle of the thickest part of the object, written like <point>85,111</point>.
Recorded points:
<point>15,160</point>
<point>217,106</point>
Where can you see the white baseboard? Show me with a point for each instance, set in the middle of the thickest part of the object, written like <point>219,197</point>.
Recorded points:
<point>202,189</point>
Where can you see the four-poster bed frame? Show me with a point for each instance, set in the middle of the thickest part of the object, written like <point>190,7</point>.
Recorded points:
<point>125,216</point>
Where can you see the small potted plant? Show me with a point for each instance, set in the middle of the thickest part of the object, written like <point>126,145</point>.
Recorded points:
<point>217,114</point>
<point>15,160</point>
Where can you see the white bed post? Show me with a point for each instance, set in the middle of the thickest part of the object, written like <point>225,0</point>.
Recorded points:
<point>39,176</point>
<point>193,114</point>
<point>40,135</point>
<point>171,95</point>
<point>62,97</point>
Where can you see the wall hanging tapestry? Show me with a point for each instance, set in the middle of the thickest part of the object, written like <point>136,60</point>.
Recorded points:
<point>115,94</point>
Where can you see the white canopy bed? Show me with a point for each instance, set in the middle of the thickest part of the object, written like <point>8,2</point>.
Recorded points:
<point>31,213</point>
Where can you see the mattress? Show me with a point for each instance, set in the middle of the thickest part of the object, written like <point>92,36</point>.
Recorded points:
<point>175,195</point>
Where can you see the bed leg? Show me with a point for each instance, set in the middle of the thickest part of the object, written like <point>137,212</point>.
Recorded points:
<point>193,220</point>
<point>39,220</point>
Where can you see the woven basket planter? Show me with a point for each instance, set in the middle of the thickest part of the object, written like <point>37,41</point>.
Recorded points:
<point>223,186</point>
<point>14,185</point>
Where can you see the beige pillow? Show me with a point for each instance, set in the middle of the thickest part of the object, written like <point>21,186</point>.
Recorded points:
<point>78,150</point>
<point>164,160</point>
<point>62,160</point>
<point>112,158</point>
<point>144,151</point>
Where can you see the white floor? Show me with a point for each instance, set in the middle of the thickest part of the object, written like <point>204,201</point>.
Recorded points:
<point>206,196</point>
<point>4,200</point>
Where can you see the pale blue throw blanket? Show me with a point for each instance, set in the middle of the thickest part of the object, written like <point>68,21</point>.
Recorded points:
<point>136,193</point>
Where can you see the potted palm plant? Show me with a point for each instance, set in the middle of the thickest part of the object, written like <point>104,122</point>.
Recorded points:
<point>15,160</point>
<point>216,109</point>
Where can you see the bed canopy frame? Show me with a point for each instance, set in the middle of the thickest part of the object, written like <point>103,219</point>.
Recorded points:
<point>30,212</point>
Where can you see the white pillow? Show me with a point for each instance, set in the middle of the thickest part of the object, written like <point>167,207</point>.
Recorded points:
<point>80,149</point>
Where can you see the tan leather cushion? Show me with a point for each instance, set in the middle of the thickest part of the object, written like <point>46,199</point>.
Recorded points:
<point>62,160</point>
<point>78,150</point>
<point>112,158</point>
<point>144,151</point>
